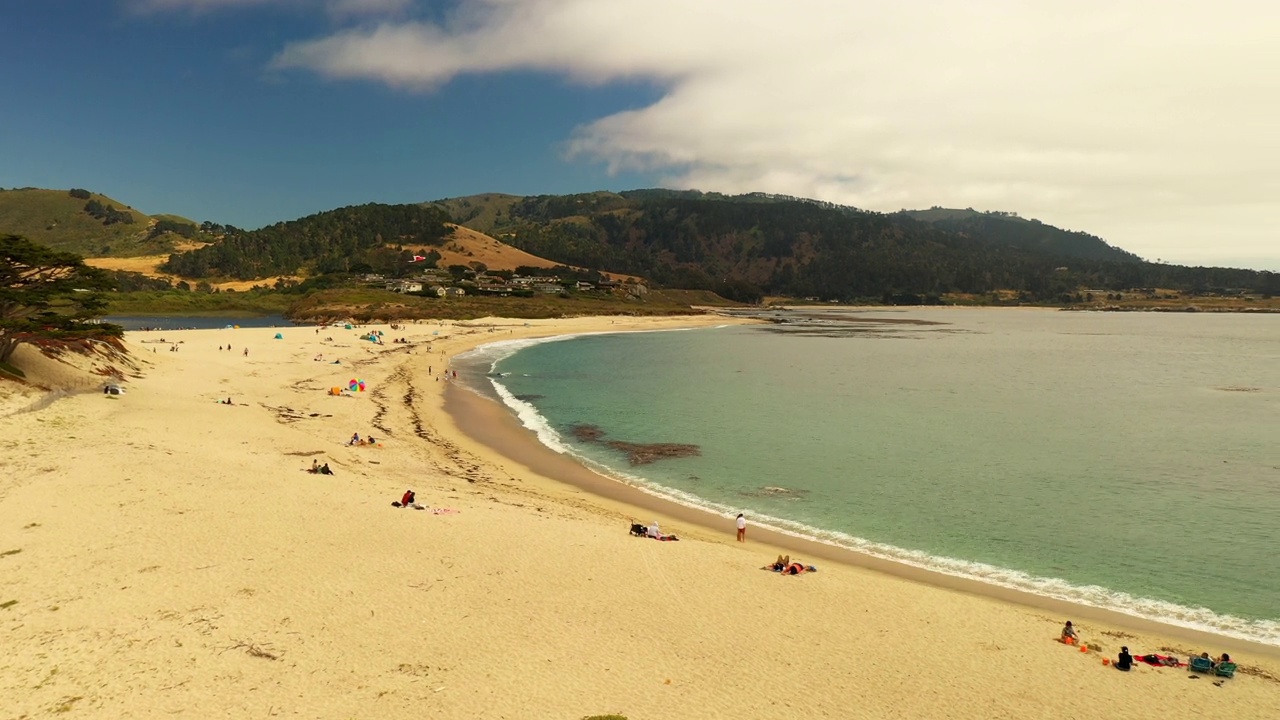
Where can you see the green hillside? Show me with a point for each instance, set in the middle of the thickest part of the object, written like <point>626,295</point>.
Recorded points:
<point>746,246</point>
<point>489,213</point>
<point>85,223</point>
<point>359,238</point>
<point>1008,228</point>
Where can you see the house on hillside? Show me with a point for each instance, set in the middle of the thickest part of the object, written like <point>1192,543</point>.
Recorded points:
<point>546,287</point>
<point>437,290</point>
<point>531,281</point>
<point>404,286</point>
<point>454,292</point>
<point>584,286</point>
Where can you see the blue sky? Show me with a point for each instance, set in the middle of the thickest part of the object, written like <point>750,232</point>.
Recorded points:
<point>179,112</point>
<point>1150,124</point>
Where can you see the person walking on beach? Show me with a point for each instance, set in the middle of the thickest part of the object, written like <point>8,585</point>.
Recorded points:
<point>742,528</point>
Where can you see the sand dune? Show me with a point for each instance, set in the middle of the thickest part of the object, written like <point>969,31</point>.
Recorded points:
<point>165,555</point>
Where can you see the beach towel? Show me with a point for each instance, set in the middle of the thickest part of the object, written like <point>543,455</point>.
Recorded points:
<point>443,511</point>
<point>1159,660</point>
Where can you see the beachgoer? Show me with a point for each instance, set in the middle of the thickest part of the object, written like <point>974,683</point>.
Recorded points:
<point>315,465</point>
<point>355,439</point>
<point>653,530</point>
<point>407,499</point>
<point>1125,660</point>
<point>324,469</point>
<point>742,528</point>
<point>1224,659</point>
<point>782,562</point>
<point>1069,634</point>
<point>246,352</point>
<point>794,568</point>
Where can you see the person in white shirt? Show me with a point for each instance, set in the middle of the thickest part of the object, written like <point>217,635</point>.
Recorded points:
<point>742,528</point>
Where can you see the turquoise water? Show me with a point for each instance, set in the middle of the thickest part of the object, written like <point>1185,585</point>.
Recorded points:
<point>1129,461</point>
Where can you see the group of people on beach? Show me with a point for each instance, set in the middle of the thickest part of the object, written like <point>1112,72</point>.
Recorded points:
<point>356,440</point>
<point>318,469</point>
<point>1124,661</point>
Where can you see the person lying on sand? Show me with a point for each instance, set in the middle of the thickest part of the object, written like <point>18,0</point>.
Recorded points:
<point>656,534</point>
<point>780,563</point>
<point>795,568</point>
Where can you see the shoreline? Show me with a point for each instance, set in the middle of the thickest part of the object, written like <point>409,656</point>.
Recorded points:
<point>493,425</point>
<point>165,553</point>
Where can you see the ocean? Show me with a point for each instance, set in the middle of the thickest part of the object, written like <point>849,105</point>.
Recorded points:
<point>1129,461</point>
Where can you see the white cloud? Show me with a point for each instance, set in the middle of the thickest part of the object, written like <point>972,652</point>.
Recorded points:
<point>1149,123</point>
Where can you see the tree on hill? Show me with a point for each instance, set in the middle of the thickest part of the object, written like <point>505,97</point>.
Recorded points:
<point>108,214</point>
<point>336,241</point>
<point>45,294</point>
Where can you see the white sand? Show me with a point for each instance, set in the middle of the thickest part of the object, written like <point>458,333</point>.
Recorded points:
<point>175,560</point>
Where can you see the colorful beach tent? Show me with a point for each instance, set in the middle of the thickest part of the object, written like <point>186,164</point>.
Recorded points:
<point>279,336</point>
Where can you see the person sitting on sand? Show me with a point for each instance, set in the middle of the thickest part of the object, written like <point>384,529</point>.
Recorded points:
<point>1224,659</point>
<point>315,466</point>
<point>1069,634</point>
<point>407,499</point>
<point>324,469</point>
<point>355,439</point>
<point>1125,660</point>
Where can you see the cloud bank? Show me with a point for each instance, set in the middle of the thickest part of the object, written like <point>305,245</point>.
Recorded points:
<point>1150,123</point>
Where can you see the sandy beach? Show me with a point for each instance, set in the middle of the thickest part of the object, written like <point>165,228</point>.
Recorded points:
<point>164,554</point>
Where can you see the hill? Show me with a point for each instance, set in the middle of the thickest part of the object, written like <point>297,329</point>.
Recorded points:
<point>488,213</point>
<point>464,246</point>
<point>90,224</point>
<point>1033,235</point>
<point>749,245</point>
<point>741,247</point>
<point>359,238</point>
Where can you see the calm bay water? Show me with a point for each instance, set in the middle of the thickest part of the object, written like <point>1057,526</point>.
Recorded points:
<point>195,322</point>
<point>1129,461</point>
